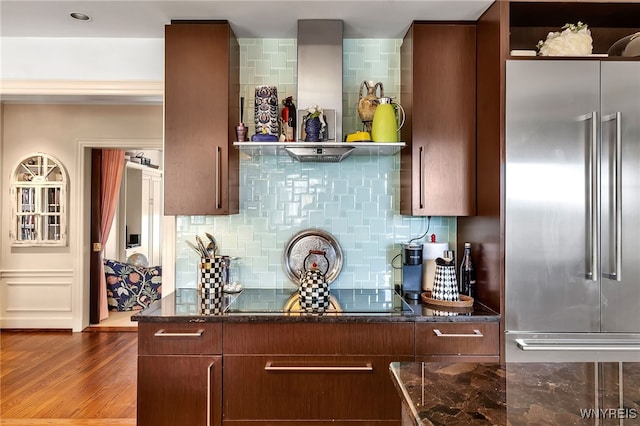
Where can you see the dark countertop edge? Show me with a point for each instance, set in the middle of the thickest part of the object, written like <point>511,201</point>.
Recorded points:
<point>154,314</point>
<point>277,318</point>
<point>405,398</point>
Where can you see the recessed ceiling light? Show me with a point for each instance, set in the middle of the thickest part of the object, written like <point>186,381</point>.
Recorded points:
<point>80,16</point>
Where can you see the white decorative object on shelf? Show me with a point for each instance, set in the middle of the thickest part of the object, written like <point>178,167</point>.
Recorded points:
<point>573,40</point>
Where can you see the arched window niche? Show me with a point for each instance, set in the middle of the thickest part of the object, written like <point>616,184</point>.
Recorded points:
<point>39,194</point>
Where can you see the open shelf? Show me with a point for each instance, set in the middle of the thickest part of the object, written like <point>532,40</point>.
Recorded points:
<point>530,21</point>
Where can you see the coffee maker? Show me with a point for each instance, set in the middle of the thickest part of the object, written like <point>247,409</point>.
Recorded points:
<point>411,271</point>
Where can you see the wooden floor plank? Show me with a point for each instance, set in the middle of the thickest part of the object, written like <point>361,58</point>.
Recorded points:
<point>67,378</point>
<point>69,422</point>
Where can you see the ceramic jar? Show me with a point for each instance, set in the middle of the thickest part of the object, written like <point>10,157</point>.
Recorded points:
<point>445,285</point>
<point>266,110</point>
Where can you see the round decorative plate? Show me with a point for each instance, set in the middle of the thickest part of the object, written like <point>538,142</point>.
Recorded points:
<point>298,248</point>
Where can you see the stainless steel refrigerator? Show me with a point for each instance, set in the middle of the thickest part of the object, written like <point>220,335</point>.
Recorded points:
<point>572,210</point>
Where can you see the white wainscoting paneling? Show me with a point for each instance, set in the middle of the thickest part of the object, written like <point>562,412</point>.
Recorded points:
<point>36,298</point>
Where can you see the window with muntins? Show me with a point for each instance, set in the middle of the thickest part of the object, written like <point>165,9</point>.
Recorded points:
<point>39,193</point>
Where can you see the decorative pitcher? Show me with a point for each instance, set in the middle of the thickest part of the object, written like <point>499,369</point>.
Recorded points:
<point>367,104</point>
<point>385,126</point>
<point>445,285</point>
<point>314,289</point>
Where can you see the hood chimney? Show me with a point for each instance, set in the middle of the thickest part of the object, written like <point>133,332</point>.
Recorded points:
<point>320,67</point>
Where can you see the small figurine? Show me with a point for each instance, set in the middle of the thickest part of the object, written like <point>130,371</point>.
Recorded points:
<point>289,119</point>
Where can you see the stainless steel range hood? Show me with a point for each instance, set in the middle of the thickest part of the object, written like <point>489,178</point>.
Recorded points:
<point>329,154</point>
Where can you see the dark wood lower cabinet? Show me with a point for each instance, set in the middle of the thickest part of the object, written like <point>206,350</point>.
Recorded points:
<point>313,388</point>
<point>313,373</point>
<point>286,373</point>
<point>179,374</point>
<point>179,390</point>
<point>458,341</point>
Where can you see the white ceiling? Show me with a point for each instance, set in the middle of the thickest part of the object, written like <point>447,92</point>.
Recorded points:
<point>248,18</point>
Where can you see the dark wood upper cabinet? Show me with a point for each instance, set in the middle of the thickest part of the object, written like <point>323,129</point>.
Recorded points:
<point>202,89</point>
<point>438,89</point>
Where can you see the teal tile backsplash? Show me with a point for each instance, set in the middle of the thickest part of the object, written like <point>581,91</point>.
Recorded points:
<point>356,200</point>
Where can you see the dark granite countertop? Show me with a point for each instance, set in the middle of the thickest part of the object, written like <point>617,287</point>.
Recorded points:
<point>353,305</point>
<point>570,393</point>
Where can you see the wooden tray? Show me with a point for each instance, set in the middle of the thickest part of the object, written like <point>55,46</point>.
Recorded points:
<point>464,302</point>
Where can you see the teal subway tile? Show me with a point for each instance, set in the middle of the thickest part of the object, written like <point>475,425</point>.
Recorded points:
<point>263,68</point>
<point>292,209</point>
<point>363,194</point>
<point>355,61</point>
<point>308,202</point>
<point>338,225</point>
<point>347,202</point>
<point>270,45</point>
<point>370,210</point>
<point>286,77</point>
<point>366,42</point>
<point>355,218</point>
<point>254,52</point>
<point>316,216</point>
<point>340,186</point>
<point>276,217</point>
<point>331,209</point>
<point>277,60</point>
<point>349,45</point>
<point>371,53</point>
<point>389,46</point>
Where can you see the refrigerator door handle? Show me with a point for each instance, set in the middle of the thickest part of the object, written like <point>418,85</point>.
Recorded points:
<point>616,198</point>
<point>593,198</point>
<point>578,344</point>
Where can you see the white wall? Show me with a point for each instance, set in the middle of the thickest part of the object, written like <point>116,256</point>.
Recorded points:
<point>46,287</point>
<point>76,59</point>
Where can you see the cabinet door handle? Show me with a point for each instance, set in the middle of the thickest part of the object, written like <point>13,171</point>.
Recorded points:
<point>163,333</point>
<point>476,333</point>
<point>218,178</point>
<point>269,366</point>
<point>209,370</point>
<point>421,176</point>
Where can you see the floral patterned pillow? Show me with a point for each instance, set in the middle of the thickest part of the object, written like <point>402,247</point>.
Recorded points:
<point>131,288</point>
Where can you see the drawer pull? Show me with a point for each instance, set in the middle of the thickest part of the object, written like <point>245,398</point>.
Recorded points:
<point>270,367</point>
<point>476,333</point>
<point>163,333</point>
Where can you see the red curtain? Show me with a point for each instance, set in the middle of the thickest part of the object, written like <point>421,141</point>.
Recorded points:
<point>112,170</point>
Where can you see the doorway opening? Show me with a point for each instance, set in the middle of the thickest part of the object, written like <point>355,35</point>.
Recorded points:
<point>116,245</point>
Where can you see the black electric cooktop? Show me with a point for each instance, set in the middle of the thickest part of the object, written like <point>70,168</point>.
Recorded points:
<point>351,301</point>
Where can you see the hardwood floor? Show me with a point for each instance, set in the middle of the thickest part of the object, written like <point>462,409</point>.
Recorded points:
<point>64,378</point>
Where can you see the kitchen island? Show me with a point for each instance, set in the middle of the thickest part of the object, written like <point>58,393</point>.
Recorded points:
<point>263,360</point>
<point>570,393</point>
